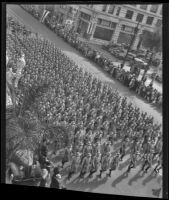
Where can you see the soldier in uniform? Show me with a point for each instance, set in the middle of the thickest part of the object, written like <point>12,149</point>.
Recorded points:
<point>67,155</point>
<point>114,163</point>
<point>74,165</point>
<point>158,165</point>
<point>147,163</point>
<point>105,161</point>
<point>133,159</point>
<point>87,149</point>
<point>85,165</point>
<point>122,150</point>
<point>94,164</point>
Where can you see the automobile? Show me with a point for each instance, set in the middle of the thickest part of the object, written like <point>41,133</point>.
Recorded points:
<point>130,56</point>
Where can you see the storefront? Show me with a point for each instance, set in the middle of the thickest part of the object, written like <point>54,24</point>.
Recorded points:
<point>83,23</point>
<point>103,33</point>
<point>82,27</point>
<point>104,30</point>
<point>125,35</point>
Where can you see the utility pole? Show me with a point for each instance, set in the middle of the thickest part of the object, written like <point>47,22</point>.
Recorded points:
<point>132,40</point>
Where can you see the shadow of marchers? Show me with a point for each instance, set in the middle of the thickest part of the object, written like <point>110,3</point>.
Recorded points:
<point>135,178</point>
<point>119,179</point>
<point>156,192</point>
<point>94,184</point>
<point>123,165</point>
<point>148,179</point>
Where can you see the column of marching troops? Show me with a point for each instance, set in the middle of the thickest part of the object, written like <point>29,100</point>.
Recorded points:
<point>101,118</point>
<point>129,78</point>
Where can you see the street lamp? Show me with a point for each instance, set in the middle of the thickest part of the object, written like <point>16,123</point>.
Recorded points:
<point>132,40</point>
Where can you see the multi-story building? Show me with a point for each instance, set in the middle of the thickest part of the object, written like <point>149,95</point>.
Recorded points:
<point>113,23</point>
<point>66,12</point>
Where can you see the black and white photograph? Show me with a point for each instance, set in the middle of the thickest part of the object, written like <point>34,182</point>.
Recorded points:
<point>84,97</point>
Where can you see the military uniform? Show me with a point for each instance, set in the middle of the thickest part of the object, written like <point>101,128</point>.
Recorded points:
<point>105,161</point>
<point>85,165</point>
<point>114,164</point>
<point>67,156</point>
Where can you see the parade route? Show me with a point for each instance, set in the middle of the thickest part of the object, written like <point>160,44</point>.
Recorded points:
<point>133,184</point>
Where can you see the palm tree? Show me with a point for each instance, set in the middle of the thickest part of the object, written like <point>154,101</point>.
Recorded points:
<point>153,41</point>
<point>21,132</point>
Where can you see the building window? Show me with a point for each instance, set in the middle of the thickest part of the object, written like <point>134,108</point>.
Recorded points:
<point>104,8</point>
<point>139,17</point>
<point>129,14</point>
<point>154,8</point>
<point>128,29</point>
<point>111,9</point>
<point>118,11</point>
<point>143,7</point>
<point>106,23</point>
<point>113,25</point>
<point>159,22</point>
<point>150,20</point>
<point>85,16</point>
<point>99,21</point>
<point>103,34</point>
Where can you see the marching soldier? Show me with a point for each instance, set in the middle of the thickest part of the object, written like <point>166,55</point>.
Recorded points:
<point>105,161</point>
<point>114,163</point>
<point>158,166</point>
<point>95,164</point>
<point>122,150</point>
<point>147,163</point>
<point>74,165</point>
<point>133,159</point>
<point>67,155</point>
<point>85,165</point>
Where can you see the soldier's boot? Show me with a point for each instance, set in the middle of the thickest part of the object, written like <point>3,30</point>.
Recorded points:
<point>109,174</point>
<point>69,176</point>
<point>100,175</point>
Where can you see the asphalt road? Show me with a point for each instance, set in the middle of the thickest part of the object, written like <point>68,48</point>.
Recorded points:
<point>117,184</point>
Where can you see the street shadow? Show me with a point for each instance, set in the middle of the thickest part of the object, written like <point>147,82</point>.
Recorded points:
<point>148,179</point>
<point>84,184</point>
<point>135,178</point>
<point>124,164</point>
<point>119,179</point>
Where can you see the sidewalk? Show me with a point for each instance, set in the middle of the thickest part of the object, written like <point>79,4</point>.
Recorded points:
<point>157,86</point>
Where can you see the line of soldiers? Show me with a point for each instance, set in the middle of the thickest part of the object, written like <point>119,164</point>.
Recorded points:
<point>94,156</point>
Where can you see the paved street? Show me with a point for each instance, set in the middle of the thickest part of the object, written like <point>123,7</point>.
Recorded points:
<point>118,184</point>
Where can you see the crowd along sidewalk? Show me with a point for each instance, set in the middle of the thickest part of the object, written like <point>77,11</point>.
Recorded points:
<point>156,85</point>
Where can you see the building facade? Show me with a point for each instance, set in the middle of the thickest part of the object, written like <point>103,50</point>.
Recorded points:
<point>107,23</point>
<point>111,23</point>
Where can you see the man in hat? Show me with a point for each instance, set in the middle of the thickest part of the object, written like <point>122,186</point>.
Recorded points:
<point>85,165</point>
<point>114,163</point>
<point>67,155</point>
<point>158,166</point>
<point>147,163</point>
<point>94,164</point>
<point>43,182</point>
<point>74,165</point>
<point>132,162</point>
<point>105,161</point>
<point>122,150</point>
